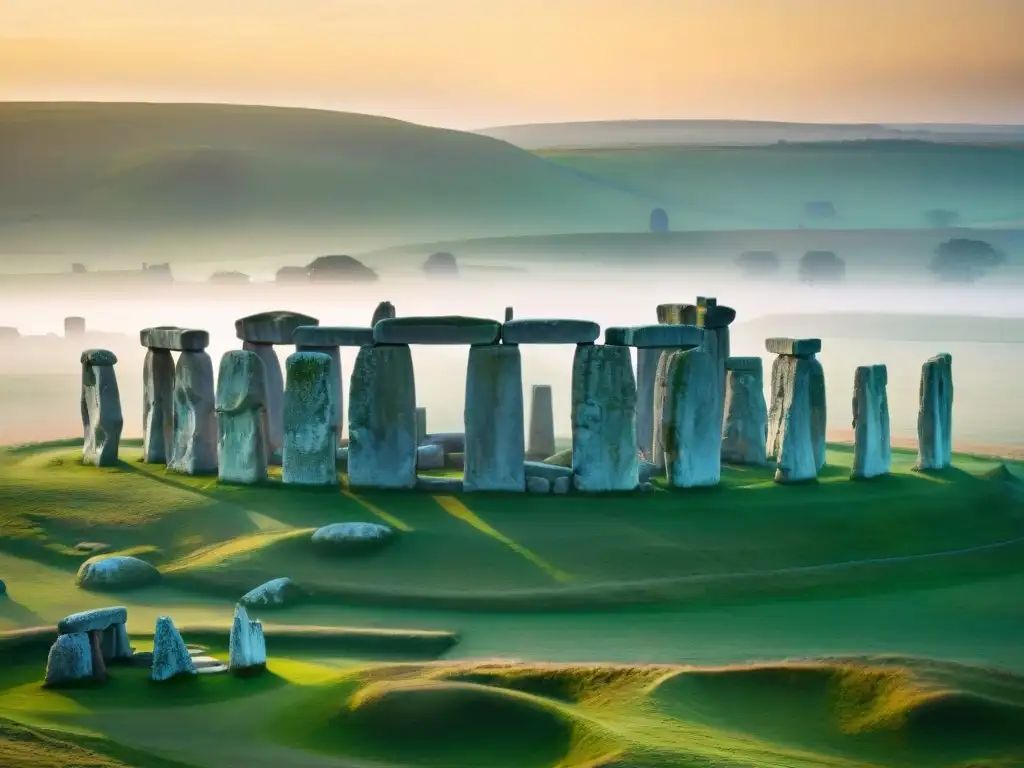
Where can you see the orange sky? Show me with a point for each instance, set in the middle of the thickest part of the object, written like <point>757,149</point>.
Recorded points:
<point>471,63</point>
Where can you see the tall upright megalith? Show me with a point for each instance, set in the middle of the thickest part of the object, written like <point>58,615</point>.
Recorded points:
<point>604,454</point>
<point>745,424</point>
<point>385,310</point>
<point>310,436</point>
<point>158,386</point>
<point>935,414</point>
<point>382,418</point>
<point>793,427</point>
<point>102,419</point>
<point>872,447</point>
<point>495,448</point>
<point>541,444</point>
<point>646,380</point>
<point>260,333</point>
<point>691,429</point>
<point>241,418</point>
<point>194,444</point>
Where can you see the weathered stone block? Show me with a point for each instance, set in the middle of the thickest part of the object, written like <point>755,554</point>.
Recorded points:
<point>91,621</point>
<point>274,379</point>
<point>646,375</point>
<point>702,315</point>
<point>444,329</point>
<point>194,445</point>
<point>691,429</point>
<point>170,654</point>
<point>819,412</point>
<point>173,338</point>
<point>247,648</point>
<point>310,437</point>
<point>656,336</point>
<point>745,365</point>
<point>604,454</point>
<point>69,660</point>
<point>872,447</point>
<point>533,331</point>
<point>102,420</point>
<point>241,418</point>
<point>337,393</point>
<point>157,406</point>
<point>745,426</point>
<point>429,457</point>
<point>332,336</point>
<point>794,347</point>
<point>272,327</point>
<point>495,448</point>
<point>383,311</point>
<point>541,443</point>
<point>421,426</point>
<point>790,428</point>
<point>538,485</point>
<point>935,414</point>
<point>382,419</point>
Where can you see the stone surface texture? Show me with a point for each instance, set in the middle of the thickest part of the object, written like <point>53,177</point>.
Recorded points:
<point>794,347</point>
<point>691,430</point>
<point>102,420</point>
<point>715,316</point>
<point>441,329</point>
<point>561,485</point>
<point>272,327</point>
<point>247,650</point>
<point>170,654</point>
<point>241,418</point>
<point>177,339</point>
<point>495,445</point>
<point>935,414</point>
<point>872,447</point>
<point>604,454</point>
<point>310,437</point>
<point>273,593</point>
<point>114,572</point>
<point>429,457</point>
<point>194,445</point>
<point>274,378</point>
<point>790,427</point>
<point>656,336</point>
<point>332,336</point>
<point>382,419</point>
<point>745,424</point>
<point>69,660</point>
<point>657,455</point>
<point>337,392</point>
<point>157,406</point>
<point>553,331</point>
<point>541,442</point>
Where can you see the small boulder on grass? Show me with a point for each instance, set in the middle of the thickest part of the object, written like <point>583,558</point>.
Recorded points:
<point>274,593</point>
<point>109,573</point>
<point>352,537</point>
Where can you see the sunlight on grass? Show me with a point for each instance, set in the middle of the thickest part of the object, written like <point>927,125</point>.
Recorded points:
<point>385,516</point>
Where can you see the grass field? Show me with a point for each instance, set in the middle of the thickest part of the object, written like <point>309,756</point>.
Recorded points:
<point>843,624</point>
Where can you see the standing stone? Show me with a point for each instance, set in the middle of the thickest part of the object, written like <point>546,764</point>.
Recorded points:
<point>790,428</point>
<point>604,455</point>
<point>935,414</point>
<point>274,379</point>
<point>310,437</point>
<point>657,457</point>
<point>384,311</point>
<point>542,424</point>
<point>745,425</point>
<point>495,448</point>
<point>646,378</point>
<point>382,418</point>
<point>194,447</point>
<point>69,660</point>
<point>509,314</point>
<point>247,648</point>
<point>337,396</point>
<point>170,654</point>
<point>421,425</point>
<point>872,448</point>
<point>157,406</point>
<point>691,429</point>
<point>101,408</point>
<point>818,411</point>
<point>115,643</point>
<point>241,418</point>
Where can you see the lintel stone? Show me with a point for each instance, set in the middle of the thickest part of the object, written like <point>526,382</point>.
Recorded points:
<point>175,339</point>
<point>332,336</point>
<point>276,327</point>
<point>656,336</point>
<point>92,621</point>
<point>544,331</point>
<point>714,315</point>
<point>793,347</point>
<point>441,329</point>
<point>745,364</point>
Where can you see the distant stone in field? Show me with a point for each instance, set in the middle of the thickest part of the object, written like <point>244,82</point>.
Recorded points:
<point>818,412</point>
<point>794,347</point>
<point>274,593</point>
<point>745,427</point>
<point>538,485</point>
<point>441,264</point>
<point>553,331</point>
<point>194,445</point>
<point>310,437</point>
<point>441,329</point>
<point>353,536</point>
<point>115,572</point>
<point>274,379</point>
<point>383,311</point>
<point>429,457</point>
<point>421,426</point>
<point>495,448</point>
<point>872,448</point>
<point>272,327</point>
<point>604,455</point>
<point>382,419</point>
<point>935,414</point>
<point>74,327</point>
<point>170,654</point>
<point>452,442</point>
<point>549,472</point>
<point>656,336</point>
<point>541,443</point>
<point>157,406</point>
<point>69,660</point>
<point>790,427</point>
<point>247,648</point>
<point>102,420</point>
<point>241,418</point>
<point>172,338</point>
<point>691,429</point>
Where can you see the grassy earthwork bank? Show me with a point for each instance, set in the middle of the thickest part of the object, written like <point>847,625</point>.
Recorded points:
<point>853,624</point>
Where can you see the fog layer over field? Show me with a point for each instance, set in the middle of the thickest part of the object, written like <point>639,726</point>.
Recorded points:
<point>39,379</point>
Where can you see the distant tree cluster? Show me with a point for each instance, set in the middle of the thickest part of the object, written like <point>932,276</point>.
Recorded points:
<point>441,264</point>
<point>821,267</point>
<point>340,268</point>
<point>960,260</point>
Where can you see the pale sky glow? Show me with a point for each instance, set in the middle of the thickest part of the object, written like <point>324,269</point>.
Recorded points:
<point>470,63</point>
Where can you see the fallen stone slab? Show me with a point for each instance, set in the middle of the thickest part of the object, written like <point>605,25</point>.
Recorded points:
<point>745,424</point>
<point>170,655</point>
<point>353,537</point>
<point>175,339</point>
<point>549,472</point>
<point>935,414</point>
<point>429,457</point>
<point>273,593</point>
<point>715,316</point>
<point>310,436</point>
<point>102,420</point>
<point>554,331</point>
<point>241,418</point>
<point>272,327</point>
<point>115,572</point>
<point>69,660</point>
<point>92,621</point>
<point>538,485</point>
<point>443,329</point>
<point>445,485</point>
<point>656,336</point>
<point>194,443</point>
<point>332,336</point>
<point>794,347</point>
<point>451,442</point>
<point>691,429</point>
<point>157,406</point>
<point>872,445</point>
<point>495,444</point>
